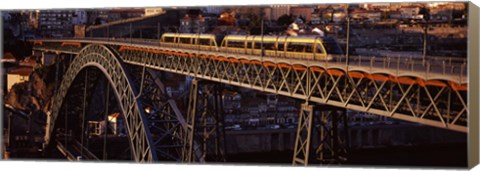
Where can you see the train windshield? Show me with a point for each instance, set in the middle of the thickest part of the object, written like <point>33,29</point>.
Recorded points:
<point>331,46</point>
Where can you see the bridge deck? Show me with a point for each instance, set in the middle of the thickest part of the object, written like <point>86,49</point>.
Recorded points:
<point>393,87</point>
<point>436,68</point>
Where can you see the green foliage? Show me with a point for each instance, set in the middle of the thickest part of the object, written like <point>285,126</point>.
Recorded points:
<point>285,20</point>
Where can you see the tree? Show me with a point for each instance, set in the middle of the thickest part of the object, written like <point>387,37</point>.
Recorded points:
<point>303,18</point>
<point>284,20</point>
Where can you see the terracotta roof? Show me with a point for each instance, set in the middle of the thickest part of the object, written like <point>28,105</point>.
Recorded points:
<point>23,71</point>
<point>363,12</point>
<point>8,55</point>
<point>411,6</point>
<point>28,62</point>
<point>128,10</point>
<point>123,21</point>
<point>115,115</point>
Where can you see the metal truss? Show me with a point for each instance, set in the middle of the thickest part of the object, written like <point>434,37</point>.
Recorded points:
<point>206,110</point>
<point>165,121</point>
<point>318,127</point>
<point>333,142</point>
<point>302,139</point>
<point>102,58</point>
<point>158,131</point>
<point>439,103</point>
<point>189,146</point>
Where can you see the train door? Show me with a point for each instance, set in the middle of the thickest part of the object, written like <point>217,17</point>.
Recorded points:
<point>321,53</point>
<point>251,45</point>
<point>314,47</point>
<point>213,43</point>
<point>276,46</point>
<point>282,47</point>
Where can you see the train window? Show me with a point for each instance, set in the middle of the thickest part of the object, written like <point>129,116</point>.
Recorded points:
<point>269,46</point>
<point>249,45</point>
<point>319,48</point>
<point>257,45</point>
<point>169,39</point>
<point>299,47</point>
<point>236,44</point>
<point>184,40</point>
<point>281,46</point>
<point>331,46</point>
<point>204,42</point>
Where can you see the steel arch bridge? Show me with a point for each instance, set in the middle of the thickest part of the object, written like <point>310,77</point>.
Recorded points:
<point>431,97</point>
<point>140,125</point>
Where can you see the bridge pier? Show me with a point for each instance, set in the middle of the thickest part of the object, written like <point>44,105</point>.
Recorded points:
<point>318,128</point>
<point>207,109</point>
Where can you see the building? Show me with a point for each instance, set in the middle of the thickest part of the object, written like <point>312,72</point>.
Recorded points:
<point>278,10</point>
<point>213,9</point>
<point>245,12</point>
<point>359,117</point>
<point>153,11</point>
<point>410,12</point>
<point>125,13</point>
<point>376,6</point>
<point>97,17</point>
<point>47,59</point>
<point>18,75</point>
<point>363,15</point>
<point>304,12</point>
<point>33,19</point>
<point>8,57</point>
<point>331,14</point>
<point>95,128</point>
<point>79,31</point>
<point>395,15</point>
<point>231,102</point>
<point>272,100</point>
<point>117,125</point>
<point>6,17</point>
<point>80,17</point>
<point>56,23</point>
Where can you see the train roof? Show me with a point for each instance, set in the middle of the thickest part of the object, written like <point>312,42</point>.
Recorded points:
<point>303,39</point>
<point>188,35</point>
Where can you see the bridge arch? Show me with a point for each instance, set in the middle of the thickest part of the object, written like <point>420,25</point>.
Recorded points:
<point>108,62</point>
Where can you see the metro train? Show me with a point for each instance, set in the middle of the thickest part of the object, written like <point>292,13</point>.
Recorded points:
<point>301,47</point>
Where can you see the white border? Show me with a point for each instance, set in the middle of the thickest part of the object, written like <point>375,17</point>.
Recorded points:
<point>70,166</point>
<point>51,4</point>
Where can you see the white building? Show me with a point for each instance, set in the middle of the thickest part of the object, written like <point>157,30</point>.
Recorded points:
<point>153,11</point>
<point>279,10</point>
<point>80,17</point>
<point>117,125</point>
<point>367,15</point>
<point>213,9</point>
<point>6,17</point>
<point>409,12</point>
<point>18,75</point>
<point>373,6</point>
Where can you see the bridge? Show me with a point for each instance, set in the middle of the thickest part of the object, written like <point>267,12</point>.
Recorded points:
<point>123,75</point>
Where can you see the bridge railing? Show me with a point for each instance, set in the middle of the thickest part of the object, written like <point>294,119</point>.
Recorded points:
<point>432,64</point>
<point>395,63</point>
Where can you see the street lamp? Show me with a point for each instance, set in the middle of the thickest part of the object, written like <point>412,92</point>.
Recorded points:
<point>426,16</point>
<point>347,55</point>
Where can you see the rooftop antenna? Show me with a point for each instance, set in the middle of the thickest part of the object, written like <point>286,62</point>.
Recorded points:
<point>347,55</point>
<point>261,27</point>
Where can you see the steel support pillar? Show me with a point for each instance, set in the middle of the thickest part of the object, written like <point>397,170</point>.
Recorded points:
<point>210,133</point>
<point>324,129</point>
<point>212,118</point>
<point>302,140</point>
<point>332,129</point>
<point>187,152</point>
